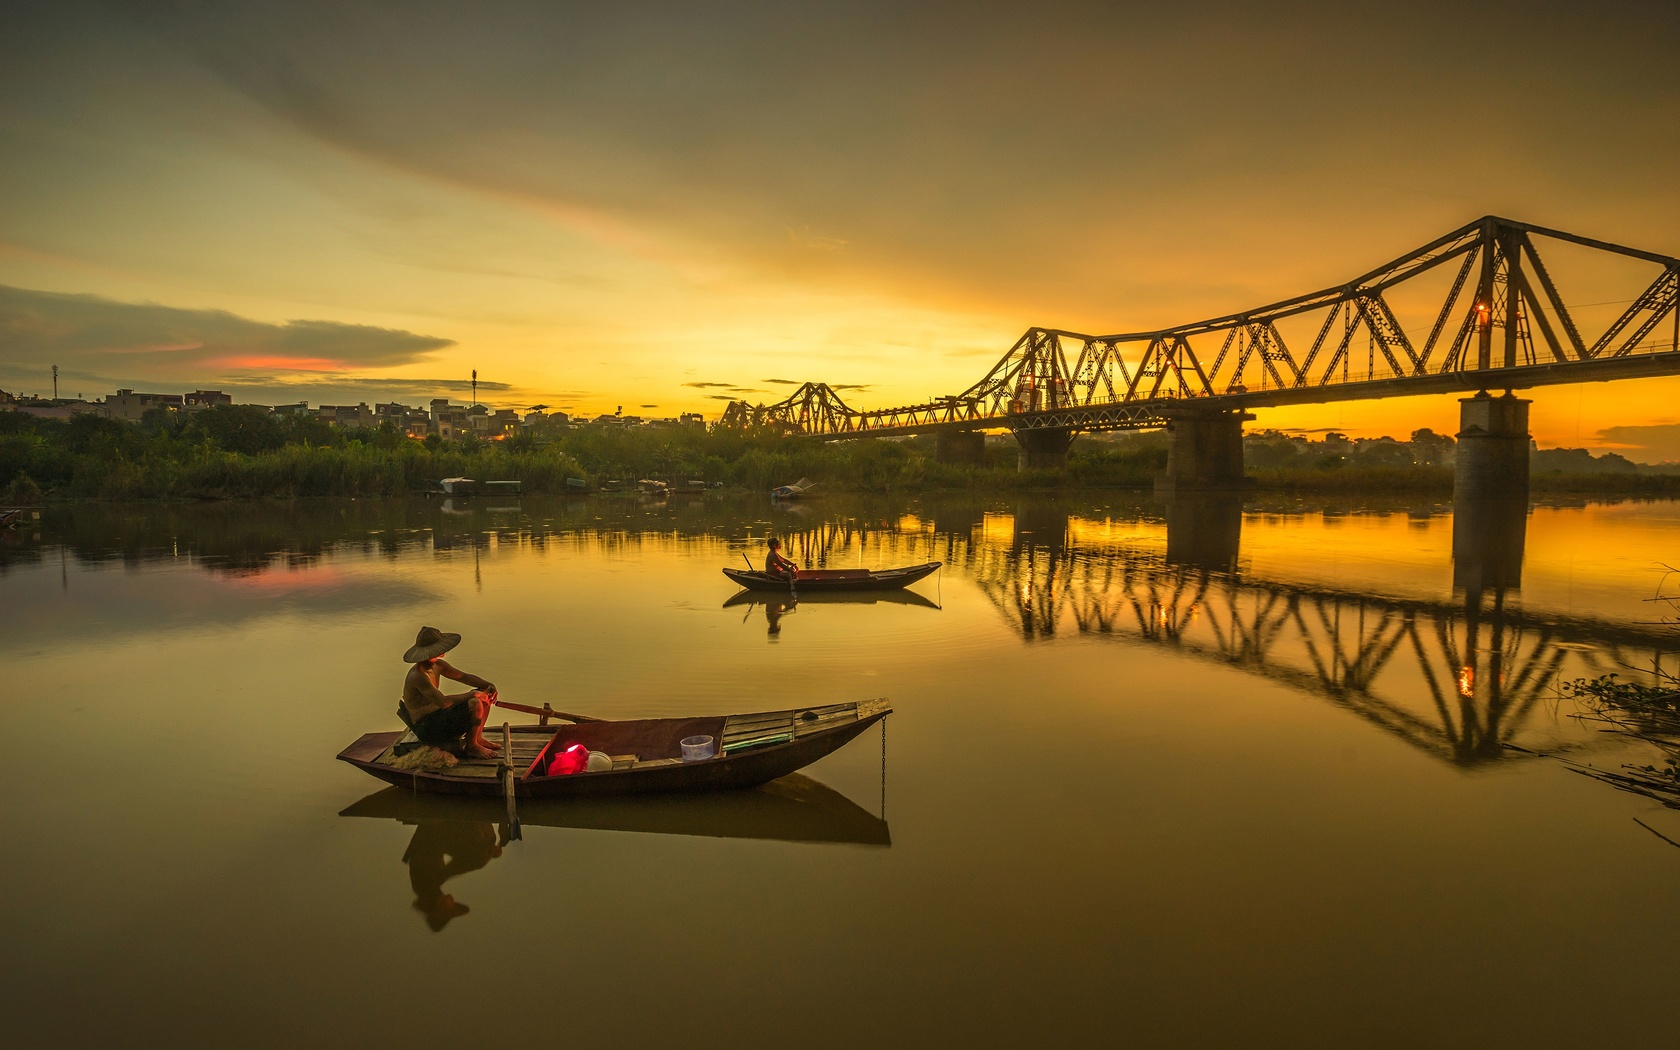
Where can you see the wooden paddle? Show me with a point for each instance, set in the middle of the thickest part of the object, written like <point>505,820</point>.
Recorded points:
<point>545,711</point>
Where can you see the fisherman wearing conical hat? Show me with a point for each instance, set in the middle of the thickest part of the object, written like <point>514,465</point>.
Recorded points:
<point>454,723</point>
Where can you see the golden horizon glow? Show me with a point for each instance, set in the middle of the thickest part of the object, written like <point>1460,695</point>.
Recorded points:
<point>329,205</point>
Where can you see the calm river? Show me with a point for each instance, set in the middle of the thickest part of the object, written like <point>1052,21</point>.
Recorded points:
<point>1241,785</point>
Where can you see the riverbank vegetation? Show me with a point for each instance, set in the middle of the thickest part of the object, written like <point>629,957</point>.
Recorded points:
<point>1648,711</point>
<point>240,451</point>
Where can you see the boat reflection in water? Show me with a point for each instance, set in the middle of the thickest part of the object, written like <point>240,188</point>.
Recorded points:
<point>455,836</point>
<point>777,606</point>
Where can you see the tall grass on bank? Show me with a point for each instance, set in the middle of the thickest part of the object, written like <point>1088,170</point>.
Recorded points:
<point>1418,480</point>
<point>295,470</point>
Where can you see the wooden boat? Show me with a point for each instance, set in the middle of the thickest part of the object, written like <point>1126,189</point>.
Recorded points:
<point>794,808</point>
<point>8,518</point>
<point>834,579</point>
<point>798,490</point>
<point>752,749</point>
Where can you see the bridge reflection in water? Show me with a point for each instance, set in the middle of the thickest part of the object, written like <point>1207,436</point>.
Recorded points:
<point>1455,678</point>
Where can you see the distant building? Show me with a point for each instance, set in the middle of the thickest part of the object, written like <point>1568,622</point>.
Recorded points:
<point>448,420</point>
<point>692,419</point>
<point>411,421</point>
<point>126,404</point>
<point>503,421</point>
<point>345,415</point>
<point>200,399</point>
<point>299,409</point>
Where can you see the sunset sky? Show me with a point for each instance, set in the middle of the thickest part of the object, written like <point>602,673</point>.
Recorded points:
<point>666,206</point>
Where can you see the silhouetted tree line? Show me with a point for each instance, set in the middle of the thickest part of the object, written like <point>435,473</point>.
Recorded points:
<point>241,451</point>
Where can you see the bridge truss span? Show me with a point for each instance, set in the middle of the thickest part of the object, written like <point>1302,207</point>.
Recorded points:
<point>1478,308</point>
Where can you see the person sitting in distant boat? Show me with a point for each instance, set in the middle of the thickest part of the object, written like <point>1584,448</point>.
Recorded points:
<point>776,565</point>
<point>454,723</point>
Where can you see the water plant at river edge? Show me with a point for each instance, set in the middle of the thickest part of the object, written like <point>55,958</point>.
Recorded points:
<point>1645,711</point>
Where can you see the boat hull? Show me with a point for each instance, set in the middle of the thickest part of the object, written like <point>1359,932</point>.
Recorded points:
<point>743,769</point>
<point>835,580</point>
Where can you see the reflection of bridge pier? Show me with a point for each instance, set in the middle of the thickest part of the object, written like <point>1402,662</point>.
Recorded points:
<point>1488,540</point>
<point>1204,529</point>
<point>1040,524</point>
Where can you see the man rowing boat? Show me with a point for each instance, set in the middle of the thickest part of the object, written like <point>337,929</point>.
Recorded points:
<point>777,565</point>
<point>455,723</point>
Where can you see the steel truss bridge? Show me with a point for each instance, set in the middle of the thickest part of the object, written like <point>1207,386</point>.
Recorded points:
<point>1485,313</point>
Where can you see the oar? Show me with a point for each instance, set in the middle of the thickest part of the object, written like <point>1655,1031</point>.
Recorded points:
<point>748,561</point>
<point>545,711</point>
<point>505,771</point>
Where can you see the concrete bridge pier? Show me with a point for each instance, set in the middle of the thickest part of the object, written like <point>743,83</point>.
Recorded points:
<point>1204,453</point>
<point>1493,442</point>
<point>1043,448</point>
<point>1490,493</point>
<point>959,446</point>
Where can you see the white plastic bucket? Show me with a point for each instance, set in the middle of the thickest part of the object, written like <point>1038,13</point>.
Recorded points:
<point>695,748</point>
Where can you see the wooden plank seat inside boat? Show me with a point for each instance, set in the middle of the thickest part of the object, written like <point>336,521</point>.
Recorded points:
<point>776,727</point>
<point>528,742</point>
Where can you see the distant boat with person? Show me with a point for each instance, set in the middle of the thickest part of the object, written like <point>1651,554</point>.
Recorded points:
<point>833,579</point>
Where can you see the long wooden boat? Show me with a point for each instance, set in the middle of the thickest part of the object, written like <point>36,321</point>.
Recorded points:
<point>751,749</point>
<point>794,808</point>
<point>834,579</point>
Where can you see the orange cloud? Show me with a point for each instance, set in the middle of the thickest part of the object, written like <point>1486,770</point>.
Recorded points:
<point>277,362</point>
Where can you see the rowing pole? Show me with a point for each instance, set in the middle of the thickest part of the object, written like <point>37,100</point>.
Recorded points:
<point>545,712</point>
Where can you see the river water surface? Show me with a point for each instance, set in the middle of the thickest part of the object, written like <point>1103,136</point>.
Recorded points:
<point>1244,784</point>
